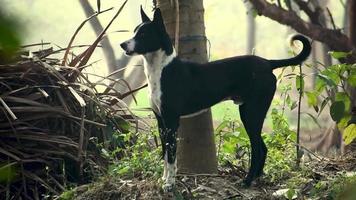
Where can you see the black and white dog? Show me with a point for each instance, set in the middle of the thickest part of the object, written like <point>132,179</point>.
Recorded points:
<point>178,88</point>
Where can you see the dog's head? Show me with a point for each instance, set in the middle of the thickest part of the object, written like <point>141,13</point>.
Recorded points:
<point>150,36</point>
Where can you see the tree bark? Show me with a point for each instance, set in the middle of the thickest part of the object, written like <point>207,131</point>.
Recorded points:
<point>196,146</point>
<point>352,21</point>
<point>322,5</point>
<point>352,34</point>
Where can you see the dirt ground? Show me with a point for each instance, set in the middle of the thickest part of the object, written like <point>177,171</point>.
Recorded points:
<point>225,185</point>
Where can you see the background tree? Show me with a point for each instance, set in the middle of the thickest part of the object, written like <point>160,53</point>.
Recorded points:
<point>196,147</point>
<point>251,28</point>
<point>134,76</point>
<point>333,37</point>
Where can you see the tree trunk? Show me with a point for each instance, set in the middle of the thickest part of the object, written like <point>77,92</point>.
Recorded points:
<point>322,5</point>
<point>351,5</point>
<point>352,21</point>
<point>196,146</point>
<point>251,28</point>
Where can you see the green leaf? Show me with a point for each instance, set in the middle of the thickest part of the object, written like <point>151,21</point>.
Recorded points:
<point>349,134</point>
<point>342,96</point>
<point>8,172</point>
<point>288,100</point>
<point>323,104</point>
<point>339,54</point>
<point>314,119</point>
<point>299,83</point>
<point>316,108</point>
<point>352,79</point>
<point>291,194</point>
<point>328,79</point>
<point>122,124</point>
<point>320,83</point>
<point>312,98</point>
<point>337,110</point>
<point>222,126</point>
<point>123,170</point>
<point>228,147</point>
<point>292,136</point>
<point>294,105</point>
<point>344,121</point>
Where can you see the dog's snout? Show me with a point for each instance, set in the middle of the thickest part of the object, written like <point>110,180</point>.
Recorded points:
<point>123,45</point>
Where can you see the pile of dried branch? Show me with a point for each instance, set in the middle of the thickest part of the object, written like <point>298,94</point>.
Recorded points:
<point>50,127</point>
<point>54,123</point>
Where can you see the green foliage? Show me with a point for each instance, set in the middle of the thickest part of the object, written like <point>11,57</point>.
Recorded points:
<point>299,82</point>
<point>10,39</point>
<point>280,144</point>
<point>349,133</point>
<point>337,109</point>
<point>141,158</point>
<point>330,89</point>
<point>8,172</point>
<point>67,195</point>
<point>341,187</point>
<point>233,142</point>
<point>338,54</point>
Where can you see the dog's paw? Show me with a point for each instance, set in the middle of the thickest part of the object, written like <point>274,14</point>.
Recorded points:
<point>167,187</point>
<point>246,182</point>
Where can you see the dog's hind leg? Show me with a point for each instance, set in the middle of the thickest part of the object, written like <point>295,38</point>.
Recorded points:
<point>253,113</point>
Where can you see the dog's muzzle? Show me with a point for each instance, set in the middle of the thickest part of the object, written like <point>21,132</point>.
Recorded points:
<point>127,47</point>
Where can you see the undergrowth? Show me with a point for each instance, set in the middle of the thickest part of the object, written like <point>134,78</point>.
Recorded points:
<point>143,159</point>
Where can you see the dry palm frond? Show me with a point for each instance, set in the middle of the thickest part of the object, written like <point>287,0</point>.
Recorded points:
<point>52,119</point>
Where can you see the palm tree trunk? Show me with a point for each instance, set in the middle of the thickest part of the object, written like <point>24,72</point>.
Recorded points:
<point>196,146</point>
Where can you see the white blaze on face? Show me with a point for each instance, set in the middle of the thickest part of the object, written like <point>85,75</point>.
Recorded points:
<point>131,45</point>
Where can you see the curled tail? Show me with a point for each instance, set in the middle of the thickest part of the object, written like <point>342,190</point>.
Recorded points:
<point>303,55</point>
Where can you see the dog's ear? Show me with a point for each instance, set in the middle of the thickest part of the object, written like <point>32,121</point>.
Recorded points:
<point>165,40</point>
<point>144,16</point>
<point>157,18</point>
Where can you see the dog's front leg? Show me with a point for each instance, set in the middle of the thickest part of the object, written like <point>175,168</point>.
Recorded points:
<point>170,152</point>
<point>162,135</point>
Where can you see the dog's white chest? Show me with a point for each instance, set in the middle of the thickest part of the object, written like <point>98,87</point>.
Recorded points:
<point>154,64</point>
<point>154,90</point>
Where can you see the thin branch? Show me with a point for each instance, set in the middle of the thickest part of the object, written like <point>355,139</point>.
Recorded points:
<point>331,18</point>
